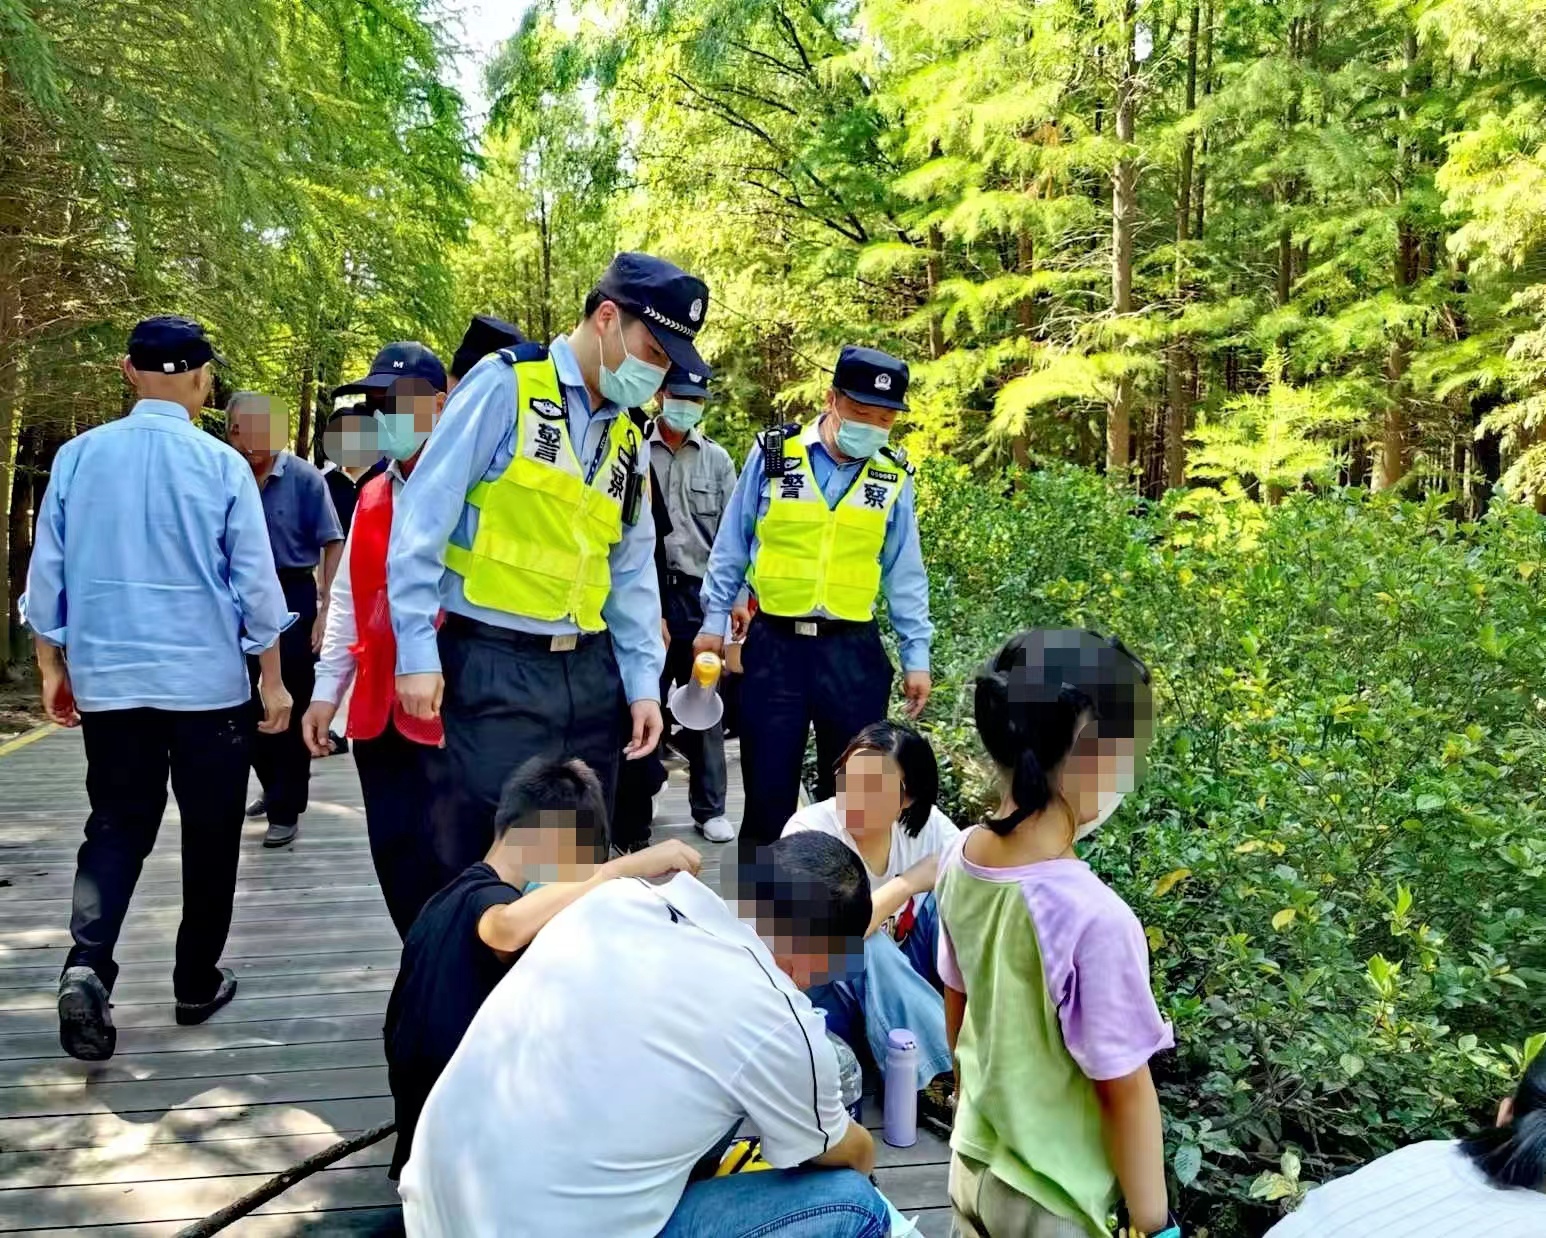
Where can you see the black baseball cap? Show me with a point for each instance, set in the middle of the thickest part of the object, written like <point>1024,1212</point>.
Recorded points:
<point>485,334</point>
<point>404,359</point>
<point>671,303</point>
<point>687,383</point>
<point>168,344</point>
<point>869,376</point>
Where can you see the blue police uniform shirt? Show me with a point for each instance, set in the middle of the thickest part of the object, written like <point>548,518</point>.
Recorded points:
<point>300,513</point>
<point>473,442</point>
<point>152,567</point>
<point>902,575</point>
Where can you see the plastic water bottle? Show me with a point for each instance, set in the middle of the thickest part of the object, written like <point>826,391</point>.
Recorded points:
<point>901,1122</point>
<point>850,1078</point>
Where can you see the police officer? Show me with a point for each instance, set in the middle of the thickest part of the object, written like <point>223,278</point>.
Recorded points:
<point>821,520</point>
<point>527,520</point>
<point>485,334</point>
<point>151,576</point>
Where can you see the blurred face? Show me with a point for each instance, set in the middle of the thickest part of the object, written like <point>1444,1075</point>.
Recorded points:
<point>350,441</point>
<point>865,414</point>
<point>258,430</point>
<point>558,848</point>
<point>870,796</point>
<point>806,957</point>
<point>1098,772</point>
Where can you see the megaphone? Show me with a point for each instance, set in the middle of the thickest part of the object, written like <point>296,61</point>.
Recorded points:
<point>696,705</point>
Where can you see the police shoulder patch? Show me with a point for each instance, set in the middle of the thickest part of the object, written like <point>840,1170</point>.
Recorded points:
<point>898,456</point>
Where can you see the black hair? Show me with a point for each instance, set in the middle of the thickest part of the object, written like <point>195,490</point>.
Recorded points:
<point>914,757</point>
<point>565,786</point>
<point>1515,1155</point>
<point>1036,693</point>
<point>813,886</point>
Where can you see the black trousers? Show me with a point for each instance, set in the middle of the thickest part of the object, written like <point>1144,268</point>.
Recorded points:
<point>410,815</point>
<point>129,753</point>
<point>283,762</point>
<point>508,697</point>
<point>840,681</point>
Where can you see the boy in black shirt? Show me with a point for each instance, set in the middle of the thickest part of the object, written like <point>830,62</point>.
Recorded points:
<point>550,836</point>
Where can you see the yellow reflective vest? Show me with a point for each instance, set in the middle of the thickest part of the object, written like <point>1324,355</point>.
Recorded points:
<point>544,533</point>
<point>815,559</point>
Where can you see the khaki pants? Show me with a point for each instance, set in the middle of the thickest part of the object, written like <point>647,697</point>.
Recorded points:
<point>983,1206</point>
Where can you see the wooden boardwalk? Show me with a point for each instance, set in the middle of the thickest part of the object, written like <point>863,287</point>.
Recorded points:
<point>181,1121</point>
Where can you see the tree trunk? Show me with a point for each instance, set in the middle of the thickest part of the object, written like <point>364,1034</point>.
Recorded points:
<point>1026,264</point>
<point>1207,89</point>
<point>1177,407</point>
<point>1124,193</point>
<point>1188,147</point>
<point>8,384</point>
<point>936,276</point>
<point>1285,265</point>
<point>1395,431</point>
<point>303,427</point>
<point>20,515</point>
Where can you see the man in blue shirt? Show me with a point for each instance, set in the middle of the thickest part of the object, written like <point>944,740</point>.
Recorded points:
<point>308,540</point>
<point>532,495</point>
<point>838,504</point>
<point>150,578</point>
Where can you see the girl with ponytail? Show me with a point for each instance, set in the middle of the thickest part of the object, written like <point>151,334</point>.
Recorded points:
<point>1492,1185</point>
<point>1047,1001</point>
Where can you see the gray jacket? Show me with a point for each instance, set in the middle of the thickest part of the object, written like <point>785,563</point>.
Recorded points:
<point>697,481</point>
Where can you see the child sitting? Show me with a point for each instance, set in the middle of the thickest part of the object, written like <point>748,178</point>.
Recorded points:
<point>550,832</point>
<point>1046,970</point>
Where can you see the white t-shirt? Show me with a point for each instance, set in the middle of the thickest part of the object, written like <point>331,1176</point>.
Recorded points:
<point>1427,1190</point>
<point>933,839</point>
<point>639,1026</point>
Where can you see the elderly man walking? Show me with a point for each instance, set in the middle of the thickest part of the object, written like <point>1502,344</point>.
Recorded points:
<point>150,578</point>
<point>308,541</point>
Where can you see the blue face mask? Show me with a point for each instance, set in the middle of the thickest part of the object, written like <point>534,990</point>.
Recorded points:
<point>634,382</point>
<point>859,441</point>
<point>397,436</point>
<point>681,415</point>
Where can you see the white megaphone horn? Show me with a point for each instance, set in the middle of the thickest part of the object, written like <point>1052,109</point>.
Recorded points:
<point>696,704</point>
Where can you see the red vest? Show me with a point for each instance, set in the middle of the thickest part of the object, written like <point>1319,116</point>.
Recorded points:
<point>375,648</point>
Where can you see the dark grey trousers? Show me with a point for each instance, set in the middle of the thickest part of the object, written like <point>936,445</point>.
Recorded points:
<point>509,697</point>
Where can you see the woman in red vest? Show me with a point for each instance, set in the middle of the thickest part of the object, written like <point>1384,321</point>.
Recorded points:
<point>401,760</point>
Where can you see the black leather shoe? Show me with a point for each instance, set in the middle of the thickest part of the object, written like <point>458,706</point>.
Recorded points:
<point>340,743</point>
<point>86,1028</point>
<point>189,1013</point>
<point>281,835</point>
<point>258,807</point>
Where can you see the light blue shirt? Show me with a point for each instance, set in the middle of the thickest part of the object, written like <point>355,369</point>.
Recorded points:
<point>475,441</point>
<point>152,567</point>
<point>902,576</point>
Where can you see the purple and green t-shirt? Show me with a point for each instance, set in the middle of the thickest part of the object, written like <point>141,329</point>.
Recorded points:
<point>1055,968</point>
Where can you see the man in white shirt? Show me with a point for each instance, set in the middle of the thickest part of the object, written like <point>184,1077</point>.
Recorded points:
<point>596,1077</point>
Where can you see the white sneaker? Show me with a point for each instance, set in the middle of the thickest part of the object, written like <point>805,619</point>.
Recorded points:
<point>717,830</point>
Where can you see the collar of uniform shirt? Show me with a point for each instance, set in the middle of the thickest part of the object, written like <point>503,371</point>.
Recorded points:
<point>277,469</point>
<point>694,436</point>
<point>160,408</point>
<point>568,367</point>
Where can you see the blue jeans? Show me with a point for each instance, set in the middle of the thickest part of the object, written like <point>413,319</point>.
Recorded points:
<point>899,987</point>
<point>781,1203</point>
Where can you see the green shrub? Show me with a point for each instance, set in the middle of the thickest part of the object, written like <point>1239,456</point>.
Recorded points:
<point>1339,849</point>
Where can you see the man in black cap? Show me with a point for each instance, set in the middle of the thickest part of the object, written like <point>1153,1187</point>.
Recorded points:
<point>151,577</point>
<point>307,539</point>
<point>485,334</point>
<point>408,810</point>
<point>528,522</point>
<point>821,521</point>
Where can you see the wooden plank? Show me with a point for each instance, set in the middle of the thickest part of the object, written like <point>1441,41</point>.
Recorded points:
<point>245,941</point>
<point>372,1001</point>
<point>186,1200</point>
<point>914,1186</point>
<point>146,895</point>
<point>219,1033</point>
<point>171,1161</point>
<point>64,1076</point>
<point>234,1118</point>
<point>158,991</point>
<point>337,1223</point>
<point>280,965</point>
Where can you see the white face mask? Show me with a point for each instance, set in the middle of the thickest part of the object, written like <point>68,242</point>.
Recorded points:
<point>1110,801</point>
<point>634,382</point>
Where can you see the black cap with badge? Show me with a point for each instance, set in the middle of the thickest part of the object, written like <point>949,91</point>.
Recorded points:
<point>669,301</point>
<point>687,384</point>
<point>168,344</point>
<point>869,376</point>
<point>485,334</point>
<point>404,359</point>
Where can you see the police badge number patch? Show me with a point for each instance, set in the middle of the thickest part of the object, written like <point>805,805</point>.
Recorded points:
<point>546,409</point>
<point>879,476</point>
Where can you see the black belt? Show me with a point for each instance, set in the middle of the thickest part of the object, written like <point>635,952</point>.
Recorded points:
<point>681,580</point>
<point>462,625</point>
<point>813,626</point>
